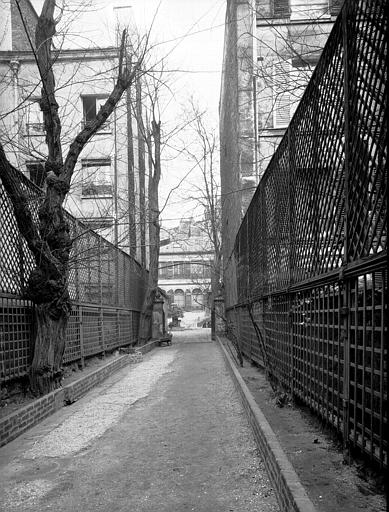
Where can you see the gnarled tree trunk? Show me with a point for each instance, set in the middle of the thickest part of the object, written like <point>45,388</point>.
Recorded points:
<point>46,367</point>
<point>49,240</point>
<point>154,232</point>
<point>48,288</point>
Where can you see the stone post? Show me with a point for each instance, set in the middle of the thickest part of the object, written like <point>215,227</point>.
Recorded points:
<point>220,325</point>
<point>157,327</point>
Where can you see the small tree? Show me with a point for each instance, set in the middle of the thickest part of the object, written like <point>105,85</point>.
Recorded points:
<point>49,240</point>
<point>156,89</point>
<point>203,151</point>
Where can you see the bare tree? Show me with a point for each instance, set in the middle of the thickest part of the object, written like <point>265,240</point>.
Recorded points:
<point>147,113</point>
<point>157,138</point>
<point>203,152</point>
<point>48,238</point>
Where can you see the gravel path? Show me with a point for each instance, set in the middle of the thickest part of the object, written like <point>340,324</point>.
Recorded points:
<point>167,435</point>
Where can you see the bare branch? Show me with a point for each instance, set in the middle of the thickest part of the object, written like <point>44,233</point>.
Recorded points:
<point>45,30</point>
<point>127,75</point>
<point>10,178</point>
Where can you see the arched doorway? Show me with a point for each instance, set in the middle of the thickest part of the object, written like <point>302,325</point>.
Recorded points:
<point>179,298</point>
<point>197,299</point>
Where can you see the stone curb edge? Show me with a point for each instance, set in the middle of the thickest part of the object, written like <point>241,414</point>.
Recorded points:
<point>23,419</point>
<point>290,492</point>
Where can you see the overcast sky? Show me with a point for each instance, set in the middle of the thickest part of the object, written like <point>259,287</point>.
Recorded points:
<point>189,32</point>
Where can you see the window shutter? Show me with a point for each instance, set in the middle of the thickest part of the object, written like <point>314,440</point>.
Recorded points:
<point>335,6</point>
<point>281,94</point>
<point>89,108</point>
<point>281,8</point>
<point>99,103</point>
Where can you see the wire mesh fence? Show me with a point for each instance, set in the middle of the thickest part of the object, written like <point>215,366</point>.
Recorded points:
<point>310,254</point>
<point>106,286</point>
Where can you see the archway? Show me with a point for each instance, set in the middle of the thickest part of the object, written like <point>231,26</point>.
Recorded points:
<point>179,298</point>
<point>197,299</point>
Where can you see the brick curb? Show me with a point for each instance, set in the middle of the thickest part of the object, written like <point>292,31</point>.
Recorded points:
<point>291,494</point>
<point>16,423</point>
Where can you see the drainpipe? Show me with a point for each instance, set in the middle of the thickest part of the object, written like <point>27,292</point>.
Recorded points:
<point>115,179</point>
<point>15,66</point>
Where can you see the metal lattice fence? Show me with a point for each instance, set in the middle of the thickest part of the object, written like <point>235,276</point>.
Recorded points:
<point>106,286</point>
<point>310,254</point>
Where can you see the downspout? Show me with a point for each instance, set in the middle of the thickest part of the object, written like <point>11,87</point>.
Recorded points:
<point>15,67</point>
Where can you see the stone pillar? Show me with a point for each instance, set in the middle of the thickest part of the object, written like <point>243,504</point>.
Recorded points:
<point>157,327</point>
<point>220,325</point>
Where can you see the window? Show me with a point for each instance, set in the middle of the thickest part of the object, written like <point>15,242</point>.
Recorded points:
<point>36,172</point>
<point>91,105</point>
<point>164,270</point>
<point>178,269</point>
<point>179,298</point>
<point>98,223</point>
<point>96,177</point>
<point>186,273</point>
<point>207,270</point>
<point>170,269</point>
<point>281,94</point>
<point>197,269</point>
<point>34,120</point>
<point>281,8</point>
<point>197,299</point>
<point>335,6</point>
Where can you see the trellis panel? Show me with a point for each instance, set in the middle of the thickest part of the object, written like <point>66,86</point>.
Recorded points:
<point>311,251</point>
<point>106,286</point>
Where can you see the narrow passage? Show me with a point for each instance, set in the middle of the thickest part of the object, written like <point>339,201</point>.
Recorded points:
<point>166,435</point>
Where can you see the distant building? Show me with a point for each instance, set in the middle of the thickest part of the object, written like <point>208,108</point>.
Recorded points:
<point>109,182</point>
<point>185,267</point>
<point>270,50</point>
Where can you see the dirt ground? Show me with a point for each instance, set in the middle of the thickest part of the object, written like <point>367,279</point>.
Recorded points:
<point>16,395</point>
<point>315,454</point>
<point>166,435</point>
<point>313,451</point>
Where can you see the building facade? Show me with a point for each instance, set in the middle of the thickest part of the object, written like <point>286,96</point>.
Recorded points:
<point>270,51</point>
<point>109,183</point>
<point>185,267</point>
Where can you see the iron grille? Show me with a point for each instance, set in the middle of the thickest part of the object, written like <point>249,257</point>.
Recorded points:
<point>106,286</point>
<point>310,254</point>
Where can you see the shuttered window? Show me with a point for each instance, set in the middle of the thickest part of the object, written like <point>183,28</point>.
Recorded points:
<point>96,177</point>
<point>335,6</point>
<point>281,8</point>
<point>281,94</point>
<point>34,118</point>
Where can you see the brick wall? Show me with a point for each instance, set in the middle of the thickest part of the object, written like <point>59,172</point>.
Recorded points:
<point>23,419</point>
<point>18,422</point>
